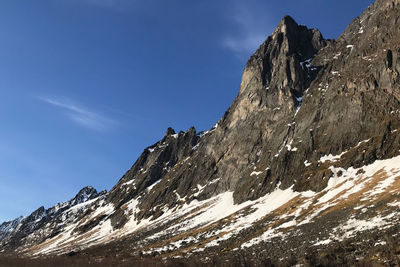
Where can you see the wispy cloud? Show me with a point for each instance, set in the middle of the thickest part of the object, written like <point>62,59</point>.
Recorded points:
<point>251,27</point>
<point>244,45</point>
<point>80,115</point>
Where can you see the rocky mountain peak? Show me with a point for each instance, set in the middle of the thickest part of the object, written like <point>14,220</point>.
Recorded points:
<point>84,194</point>
<point>8,227</point>
<point>286,28</point>
<point>300,39</point>
<point>37,214</point>
<point>151,169</point>
<point>278,73</point>
<point>276,64</point>
<point>169,131</point>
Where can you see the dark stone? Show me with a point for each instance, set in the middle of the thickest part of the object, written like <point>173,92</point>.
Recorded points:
<point>389,59</point>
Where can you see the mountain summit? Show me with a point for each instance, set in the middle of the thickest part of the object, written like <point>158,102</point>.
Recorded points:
<point>303,167</point>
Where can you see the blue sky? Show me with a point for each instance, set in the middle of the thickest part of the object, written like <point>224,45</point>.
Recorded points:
<point>86,85</point>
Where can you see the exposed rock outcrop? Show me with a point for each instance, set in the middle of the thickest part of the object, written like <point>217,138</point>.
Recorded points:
<point>152,167</point>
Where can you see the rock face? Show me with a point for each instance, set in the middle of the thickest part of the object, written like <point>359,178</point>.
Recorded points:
<point>272,85</point>
<point>309,145</point>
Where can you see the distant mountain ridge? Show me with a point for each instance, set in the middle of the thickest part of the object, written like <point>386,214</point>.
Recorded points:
<point>303,166</point>
<point>28,230</point>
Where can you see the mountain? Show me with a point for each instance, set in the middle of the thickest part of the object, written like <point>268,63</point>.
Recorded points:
<point>44,223</point>
<point>303,168</point>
